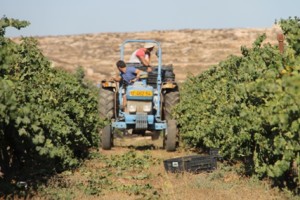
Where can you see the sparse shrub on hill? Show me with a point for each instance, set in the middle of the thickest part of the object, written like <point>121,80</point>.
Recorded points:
<point>249,107</point>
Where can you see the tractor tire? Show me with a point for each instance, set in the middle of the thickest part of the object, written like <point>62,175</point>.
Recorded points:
<point>171,136</point>
<point>107,138</point>
<point>170,99</point>
<point>106,103</point>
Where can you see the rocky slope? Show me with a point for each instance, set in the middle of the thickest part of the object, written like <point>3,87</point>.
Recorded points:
<point>190,51</point>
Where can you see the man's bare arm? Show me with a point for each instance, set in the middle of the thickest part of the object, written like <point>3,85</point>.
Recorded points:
<point>144,61</point>
<point>116,78</point>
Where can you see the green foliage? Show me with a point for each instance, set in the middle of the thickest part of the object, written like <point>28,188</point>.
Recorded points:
<point>122,173</point>
<point>132,161</point>
<point>248,107</point>
<point>291,30</point>
<point>7,22</point>
<point>49,118</point>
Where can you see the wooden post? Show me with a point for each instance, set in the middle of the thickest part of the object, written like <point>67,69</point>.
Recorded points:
<point>280,39</point>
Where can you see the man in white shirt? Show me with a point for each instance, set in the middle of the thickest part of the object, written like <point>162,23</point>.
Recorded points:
<point>143,55</point>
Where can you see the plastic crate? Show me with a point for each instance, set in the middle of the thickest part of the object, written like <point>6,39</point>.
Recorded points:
<point>194,163</point>
<point>214,152</point>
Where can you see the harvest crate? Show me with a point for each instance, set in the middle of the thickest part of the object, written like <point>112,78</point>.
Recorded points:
<point>194,163</point>
<point>214,152</point>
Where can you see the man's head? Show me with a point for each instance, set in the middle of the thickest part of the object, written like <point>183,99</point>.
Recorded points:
<point>121,64</point>
<point>149,46</point>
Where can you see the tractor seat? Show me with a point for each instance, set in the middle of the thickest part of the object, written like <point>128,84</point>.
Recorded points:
<point>143,75</point>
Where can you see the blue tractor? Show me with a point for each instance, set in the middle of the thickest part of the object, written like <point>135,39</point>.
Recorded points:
<point>149,103</point>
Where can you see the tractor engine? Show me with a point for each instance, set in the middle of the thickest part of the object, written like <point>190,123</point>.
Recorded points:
<point>139,109</point>
<point>139,98</point>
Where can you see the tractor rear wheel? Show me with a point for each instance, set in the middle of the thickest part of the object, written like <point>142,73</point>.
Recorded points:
<point>171,135</point>
<point>106,103</point>
<point>106,138</point>
<point>170,99</point>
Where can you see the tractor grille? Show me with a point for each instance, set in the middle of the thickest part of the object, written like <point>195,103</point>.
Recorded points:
<point>141,121</point>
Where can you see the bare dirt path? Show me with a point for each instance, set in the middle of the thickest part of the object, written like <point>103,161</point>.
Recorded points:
<point>223,183</point>
<point>134,169</point>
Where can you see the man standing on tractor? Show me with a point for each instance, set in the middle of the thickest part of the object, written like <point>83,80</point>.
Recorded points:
<point>143,55</point>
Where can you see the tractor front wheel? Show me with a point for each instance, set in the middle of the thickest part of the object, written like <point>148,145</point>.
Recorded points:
<point>106,138</point>
<point>171,136</point>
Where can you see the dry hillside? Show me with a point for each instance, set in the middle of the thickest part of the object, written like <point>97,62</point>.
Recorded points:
<point>188,50</point>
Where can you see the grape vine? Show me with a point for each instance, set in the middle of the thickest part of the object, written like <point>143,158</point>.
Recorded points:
<point>248,107</point>
<point>49,118</point>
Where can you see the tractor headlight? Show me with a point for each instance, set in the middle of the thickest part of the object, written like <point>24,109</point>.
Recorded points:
<point>132,108</point>
<point>147,108</point>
